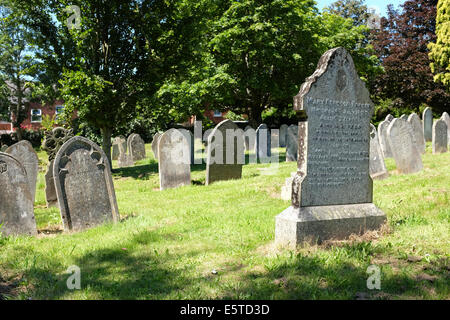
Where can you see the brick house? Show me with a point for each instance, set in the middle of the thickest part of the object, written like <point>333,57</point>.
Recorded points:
<point>35,115</point>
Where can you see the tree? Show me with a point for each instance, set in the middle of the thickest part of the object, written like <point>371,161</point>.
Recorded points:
<point>401,44</point>
<point>351,9</point>
<point>17,68</point>
<point>440,51</point>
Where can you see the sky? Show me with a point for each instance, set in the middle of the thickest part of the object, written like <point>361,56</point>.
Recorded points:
<point>379,5</point>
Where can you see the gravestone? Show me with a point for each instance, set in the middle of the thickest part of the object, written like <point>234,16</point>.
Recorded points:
<point>332,191</point>
<point>416,125</point>
<point>189,139</point>
<point>292,143</point>
<point>136,147</point>
<point>53,141</point>
<point>120,140</point>
<point>446,118</point>
<point>16,201</point>
<point>124,160</point>
<point>406,155</point>
<point>155,144</point>
<point>286,190</point>
<point>440,139</point>
<point>382,138</point>
<point>84,185</point>
<point>404,117</point>
<point>174,160</point>
<point>24,152</point>
<point>263,144</point>
<point>377,167</point>
<point>427,122</point>
<point>283,135</point>
<point>225,153</point>
<point>249,138</point>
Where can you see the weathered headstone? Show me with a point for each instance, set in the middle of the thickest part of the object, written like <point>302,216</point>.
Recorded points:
<point>249,138</point>
<point>283,135</point>
<point>440,139</point>
<point>174,160</point>
<point>24,152</point>
<point>225,153</point>
<point>16,202</point>
<point>53,141</point>
<point>377,167</point>
<point>401,140</point>
<point>427,122</point>
<point>189,139</point>
<point>292,143</point>
<point>332,191</point>
<point>286,190</point>
<point>416,125</point>
<point>382,138</point>
<point>446,118</point>
<point>120,140</point>
<point>84,185</point>
<point>124,160</point>
<point>263,144</point>
<point>155,142</point>
<point>136,147</point>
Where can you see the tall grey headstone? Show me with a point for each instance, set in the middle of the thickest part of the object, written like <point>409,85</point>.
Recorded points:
<point>446,118</point>
<point>382,138</point>
<point>136,147</point>
<point>155,142</point>
<point>174,160</point>
<point>416,125</point>
<point>401,139</point>
<point>332,191</point>
<point>24,152</point>
<point>189,139</point>
<point>292,143</point>
<point>283,135</point>
<point>120,140</point>
<point>16,202</point>
<point>263,144</point>
<point>377,167</point>
<point>84,185</point>
<point>225,153</point>
<point>440,139</point>
<point>249,138</point>
<point>427,122</point>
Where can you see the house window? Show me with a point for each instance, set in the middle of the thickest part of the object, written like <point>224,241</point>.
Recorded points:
<point>36,115</point>
<point>59,111</point>
<point>217,114</point>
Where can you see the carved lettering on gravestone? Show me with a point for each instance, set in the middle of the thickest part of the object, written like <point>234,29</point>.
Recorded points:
<point>440,143</point>
<point>24,152</point>
<point>332,191</point>
<point>16,202</point>
<point>427,123</point>
<point>174,160</point>
<point>416,125</point>
<point>84,185</point>
<point>292,143</point>
<point>407,156</point>
<point>377,167</point>
<point>225,153</point>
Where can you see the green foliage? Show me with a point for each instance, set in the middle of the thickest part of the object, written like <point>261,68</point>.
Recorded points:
<point>440,51</point>
<point>234,117</point>
<point>356,10</point>
<point>48,122</point>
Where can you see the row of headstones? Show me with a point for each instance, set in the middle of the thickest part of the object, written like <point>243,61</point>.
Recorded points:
<point>82,181</point>
<point>134,145</point>
<point>174,150</point>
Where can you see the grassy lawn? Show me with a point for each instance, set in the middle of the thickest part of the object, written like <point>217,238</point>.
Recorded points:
<point>168,243</point>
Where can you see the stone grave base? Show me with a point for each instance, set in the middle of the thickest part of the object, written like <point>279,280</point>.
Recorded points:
<point>315,224</point>
<point>380,176</point>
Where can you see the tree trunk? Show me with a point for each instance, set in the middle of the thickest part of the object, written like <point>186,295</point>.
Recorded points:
<point>254,116</point>
<point>106,143</point>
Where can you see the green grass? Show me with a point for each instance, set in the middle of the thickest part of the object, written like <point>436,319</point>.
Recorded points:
<point>167,243</point>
